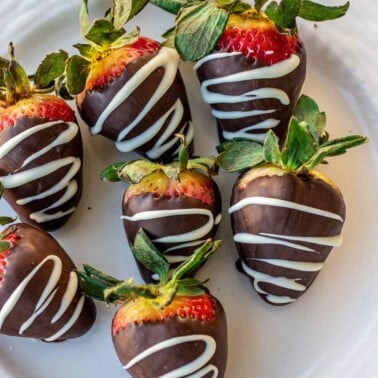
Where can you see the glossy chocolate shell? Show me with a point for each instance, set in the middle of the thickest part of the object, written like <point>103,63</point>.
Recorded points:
<point>39,292</point>
<point>283,245</point>
<point>42,172</point>
<point>195,338</point>
<point>247,96</point>
<point>188,215</point>
<point>152,109</point>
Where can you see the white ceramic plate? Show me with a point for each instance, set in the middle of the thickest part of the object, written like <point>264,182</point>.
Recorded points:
<point>332,331</point>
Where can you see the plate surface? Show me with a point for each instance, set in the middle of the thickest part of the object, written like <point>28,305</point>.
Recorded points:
<point>332,331</point>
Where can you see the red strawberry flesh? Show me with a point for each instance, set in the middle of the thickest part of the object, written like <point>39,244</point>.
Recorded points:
<point>190,183</point>
<point>257,39</point>
<point>111,63</point>
<point>12,238</point>
<point>43,106</point>
<point>200,307</point>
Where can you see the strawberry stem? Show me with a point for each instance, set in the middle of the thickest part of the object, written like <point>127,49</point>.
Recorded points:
<point>196,19</point>
<point>106,288</point>
<point>16,85</point>
<point>134,171</point>
<point>183,153</point>
<point>305,147</point>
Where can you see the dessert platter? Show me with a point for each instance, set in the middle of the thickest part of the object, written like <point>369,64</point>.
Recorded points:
<point>331,331</point>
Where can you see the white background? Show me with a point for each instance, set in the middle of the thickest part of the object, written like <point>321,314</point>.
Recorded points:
<point>332,331</point>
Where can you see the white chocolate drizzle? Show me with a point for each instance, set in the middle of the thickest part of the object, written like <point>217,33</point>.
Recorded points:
<point>195,369</point>
<point>284,240</point>
<point>211,97</point>
<point>270,201</point>
<point>168,59</point>
<point>180,241</point>
<point>46,297</point>
<point>26,176</point>
<point>180,238</point>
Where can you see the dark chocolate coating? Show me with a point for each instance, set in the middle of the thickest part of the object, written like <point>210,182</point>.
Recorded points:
<point>263,219</point>
<point>179,224</point>
<point>13,161</point>
<point>134,339</point>
<point>94,101</point>
<point>31,247</point>
<point>291,84</point>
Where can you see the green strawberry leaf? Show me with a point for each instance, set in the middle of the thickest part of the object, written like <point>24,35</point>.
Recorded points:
<point>52,67</point>
<point>17,80</point>
<point>307,109</point>
<point>284,13</point>
<point>238,7</point>
<point>85,50</point>
<point>103,33</point>
<point>126,290</point>
<point>77,70</point>
<point>99,286</point>
<point>172,6</point>
<point>134,171</point>
<point>259,4</point>
<point>240,155</point>
<point>6,220</point>
<point>11,87</point>
<point>126,39</point>
<point>190,287</point>
<point>120,12</point>
<point>206,164</point>
<point>317,12</point>
<point>271,149</point>
<point>111,173</point>
<point>105,278</point>
<point>305,146</point>
<point>197,259</point>
<point>149,256</point>
<point>299,145</point>
<point>93,282</point>
<point>199,25</point>
<point>85,22</point>
<point>4,64</point>
<point>333,148</point>
<point>4,245</point>
<point>137,6</point>
<point>169,38</point>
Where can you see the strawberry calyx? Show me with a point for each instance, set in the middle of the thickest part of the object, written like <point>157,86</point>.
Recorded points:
<point>306,145</point>
<point>210,18</point>
<point>104,36</point>
<point>184,175</point>
<point>167,298</point>
<point>134,171</point>
<point>16,85</point>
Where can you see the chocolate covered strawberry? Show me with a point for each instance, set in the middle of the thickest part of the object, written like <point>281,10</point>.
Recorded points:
<point>128,86</point>
<point>40,143</point>
<point>39,292</point>
<point>177,205</point>
<point>252,63</point>
<point>175,328</point>
<point>286,216</point>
